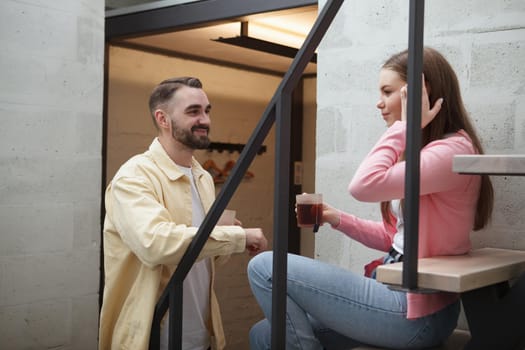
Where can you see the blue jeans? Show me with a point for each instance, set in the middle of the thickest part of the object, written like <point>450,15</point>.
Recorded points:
<point>332,308</point>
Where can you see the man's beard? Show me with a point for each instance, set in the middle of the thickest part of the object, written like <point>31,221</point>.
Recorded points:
<point>187,138</point>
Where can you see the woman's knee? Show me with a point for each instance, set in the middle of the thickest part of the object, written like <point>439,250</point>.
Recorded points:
<point>260,266</point>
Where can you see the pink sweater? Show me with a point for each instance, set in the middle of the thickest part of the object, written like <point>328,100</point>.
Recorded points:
<point>446,209</point>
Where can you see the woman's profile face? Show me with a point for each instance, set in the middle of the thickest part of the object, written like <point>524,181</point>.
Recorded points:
<point>390,84</point>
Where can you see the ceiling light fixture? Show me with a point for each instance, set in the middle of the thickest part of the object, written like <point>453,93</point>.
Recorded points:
<point>245,41</point>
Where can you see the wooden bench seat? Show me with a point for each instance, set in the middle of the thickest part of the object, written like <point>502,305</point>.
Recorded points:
<point>461,273</point>
<point>491,283</point>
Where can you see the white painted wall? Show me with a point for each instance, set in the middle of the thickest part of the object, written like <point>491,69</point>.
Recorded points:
<point>51,87</point>
<point>485,42</point>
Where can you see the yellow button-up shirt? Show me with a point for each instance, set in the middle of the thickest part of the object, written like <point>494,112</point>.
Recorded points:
<point>147,230</point>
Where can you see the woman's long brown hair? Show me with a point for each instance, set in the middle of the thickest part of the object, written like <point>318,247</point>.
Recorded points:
<point>441,81</point>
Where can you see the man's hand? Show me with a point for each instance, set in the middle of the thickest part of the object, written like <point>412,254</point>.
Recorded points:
<point>255,241</point>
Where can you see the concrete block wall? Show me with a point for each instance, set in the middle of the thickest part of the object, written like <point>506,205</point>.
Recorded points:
<point>485,42</point>
<point>51,90</point>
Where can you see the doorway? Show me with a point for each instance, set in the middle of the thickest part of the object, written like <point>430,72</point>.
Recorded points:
<point>239,82</point>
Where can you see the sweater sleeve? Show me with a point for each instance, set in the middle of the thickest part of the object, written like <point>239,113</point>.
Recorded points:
<point>373,234</point>
<point>381,175</point>
<point>147,227</point>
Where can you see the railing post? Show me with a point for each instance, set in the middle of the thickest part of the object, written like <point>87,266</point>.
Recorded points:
<point>154,338</point>
<point>280,239</point>
<point>283,109</point>
<point>175,317</point>
<point>413,143</point>
<point>280,103</point>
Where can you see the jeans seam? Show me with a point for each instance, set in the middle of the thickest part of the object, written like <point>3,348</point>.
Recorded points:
<point>346,300</point>
<point>292,326</point>
<point>417,336</point>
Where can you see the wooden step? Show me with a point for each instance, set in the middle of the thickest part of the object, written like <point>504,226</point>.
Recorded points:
<point>460,273</point>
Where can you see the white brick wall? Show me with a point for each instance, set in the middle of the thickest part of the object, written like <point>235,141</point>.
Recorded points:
<point>485,42</point>
<point>50,164</point>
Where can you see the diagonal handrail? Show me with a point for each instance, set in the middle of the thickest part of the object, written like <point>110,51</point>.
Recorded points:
<point>279,105</point>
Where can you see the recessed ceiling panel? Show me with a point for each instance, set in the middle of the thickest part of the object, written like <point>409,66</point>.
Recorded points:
<point>283,27</point>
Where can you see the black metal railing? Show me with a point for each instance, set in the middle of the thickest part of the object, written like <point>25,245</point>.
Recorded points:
<point>413,142</point>
<point>278,111</point>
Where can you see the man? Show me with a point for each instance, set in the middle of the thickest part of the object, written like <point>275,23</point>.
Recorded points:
<point>154,206</point>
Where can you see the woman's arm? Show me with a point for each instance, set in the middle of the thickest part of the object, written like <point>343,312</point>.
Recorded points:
<point>373,234</point>
<point>381,176</point>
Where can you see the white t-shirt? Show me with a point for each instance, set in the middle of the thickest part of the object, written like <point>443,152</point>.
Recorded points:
<point>398,243</point>
<point>196,291</point>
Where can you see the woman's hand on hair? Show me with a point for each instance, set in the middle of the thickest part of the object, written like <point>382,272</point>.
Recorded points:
<point>427,114</point>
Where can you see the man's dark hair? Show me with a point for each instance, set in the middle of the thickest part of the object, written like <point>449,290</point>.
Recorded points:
<point>163,92</point>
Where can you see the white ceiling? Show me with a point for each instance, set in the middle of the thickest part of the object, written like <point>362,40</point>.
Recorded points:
<point>287,27</point>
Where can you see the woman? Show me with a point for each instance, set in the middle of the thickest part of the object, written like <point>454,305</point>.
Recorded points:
<point>329,307</point>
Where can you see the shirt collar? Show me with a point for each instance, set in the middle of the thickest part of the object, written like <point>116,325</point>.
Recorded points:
<point>167,165</point>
